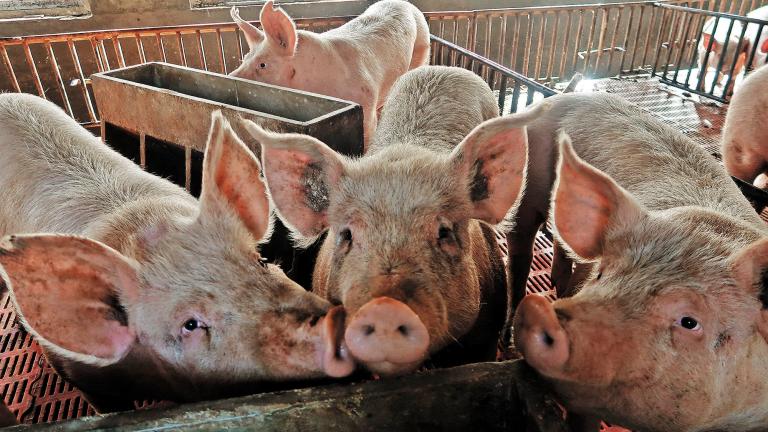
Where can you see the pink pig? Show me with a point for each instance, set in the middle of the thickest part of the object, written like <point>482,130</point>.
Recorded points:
<point>358,61</point>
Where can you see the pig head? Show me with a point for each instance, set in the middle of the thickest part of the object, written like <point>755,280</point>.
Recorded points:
<point>669,332</point>
<point>409,245</point>
<point>166,297</point>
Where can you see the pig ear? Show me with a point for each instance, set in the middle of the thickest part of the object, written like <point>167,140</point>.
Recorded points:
<point>588,204</point>
<point>494,157</point>
<point>750,269</point>
<point>252,34</point>
<point>231,179</point>
<point>705,40</point>
<point>67,291</point>
<point>764,46</point>
<point>279,27</point>
<point>301,174</point>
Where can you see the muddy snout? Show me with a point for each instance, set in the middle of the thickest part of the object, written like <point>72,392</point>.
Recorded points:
<point>539,335</point>
<point>387,336</point>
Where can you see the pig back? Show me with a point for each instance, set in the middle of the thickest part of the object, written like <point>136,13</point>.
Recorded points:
<point>660,166</point>
<point>57,177</point>
<point>434,107</point>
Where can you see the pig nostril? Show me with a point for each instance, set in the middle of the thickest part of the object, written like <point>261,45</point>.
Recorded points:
<point>547,339</point>
<point>403,330</point>
<point>368,330</point>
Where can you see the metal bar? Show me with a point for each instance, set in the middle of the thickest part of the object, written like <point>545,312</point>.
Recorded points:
<point>201,50</point>
<point>59,79</point>
<point>143,150</point>
<point>239,44</point>
<point>503,44</point>
<point>96,54</point>
<point>577,42</point>
<point>188,168</point>
<point>104,55</point>
<point>83,85</point>
<point>118,51</point>
<point>751,58</point>
<point>551,60</point>
<point>528,42</point>
<point>705,63</point>
<point>9,68</point>
<point>684,48</point>
<point>637,38</point>
<point>161,47</point>
<point>33,69</point>
<point>515,97</point>
<point>561,74</point>
<point>455,38</point>
<point>140,48</point>
<point>544,90</point>
<point>626,40</point>
<point>659,44</point>
<point>648,37</point>
<point>601,39</point>
<point>516,35</point>
<point>735,60</point>
<point>719,67</point>
<point>220,47</point>
<point>539,48</point>
<point>502,93</point>
<point>613,36</point>
<point>670,45</point>
<point>530,94</point>
<point>700,27</point>
<point>182,52</point>
<point>589,43</point>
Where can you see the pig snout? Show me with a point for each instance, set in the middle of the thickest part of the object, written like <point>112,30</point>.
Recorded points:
<point>335,359</point>
<point>387,336</point>
<point>539,335</point>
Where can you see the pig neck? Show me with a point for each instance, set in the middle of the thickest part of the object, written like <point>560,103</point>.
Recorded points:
<point>316,51</point>
<point>120,228</point>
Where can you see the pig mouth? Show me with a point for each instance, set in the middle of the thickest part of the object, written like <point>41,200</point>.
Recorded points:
<point>337,361</point>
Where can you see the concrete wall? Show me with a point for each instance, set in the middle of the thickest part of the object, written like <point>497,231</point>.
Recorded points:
<point>114,14</point>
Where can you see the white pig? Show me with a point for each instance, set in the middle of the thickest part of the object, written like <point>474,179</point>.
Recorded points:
<point>146,292</point>
<point>358,61</point>
<point>745,134</point>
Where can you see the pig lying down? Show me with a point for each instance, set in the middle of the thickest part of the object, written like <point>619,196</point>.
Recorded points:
<point>745,135</point>
<point>358,61</point>
<point>668,333</point>
<point>410,251</point>
<point>146,292</point>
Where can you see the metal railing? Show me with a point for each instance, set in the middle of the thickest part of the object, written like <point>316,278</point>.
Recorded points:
<point>696,45</point>
<point>547,44</point>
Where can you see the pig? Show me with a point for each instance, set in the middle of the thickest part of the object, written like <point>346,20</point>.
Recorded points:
<point>668,331</point>
<point>361,59</point>
<point>137,290</point>
<point>410,250</point>
<point>732,48</point>
<point>745,134</point>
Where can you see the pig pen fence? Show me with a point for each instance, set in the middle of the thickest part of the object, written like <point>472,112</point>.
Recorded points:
<point>505,47</point>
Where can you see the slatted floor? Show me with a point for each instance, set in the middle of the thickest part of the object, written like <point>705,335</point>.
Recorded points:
<point>36,394</point>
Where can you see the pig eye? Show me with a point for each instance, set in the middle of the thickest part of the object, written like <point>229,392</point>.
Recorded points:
<point>193,324</point>
<point>445,233</point>
<point>689,323</point>
<point>262,65</point>
<point>344,238</point>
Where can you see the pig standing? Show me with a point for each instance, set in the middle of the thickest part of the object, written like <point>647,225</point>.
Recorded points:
<point>669,331</point>
<point>146,292</point>
<point>358,61</point>
<point>722,45</point>
<point>745,135</point>
<point>410,251</point>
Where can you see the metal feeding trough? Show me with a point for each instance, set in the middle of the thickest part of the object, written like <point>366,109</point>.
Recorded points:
<point>158,115</point>
<point>174,103</point>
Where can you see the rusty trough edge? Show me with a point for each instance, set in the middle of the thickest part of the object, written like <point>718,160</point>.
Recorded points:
<point>499,396</point>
